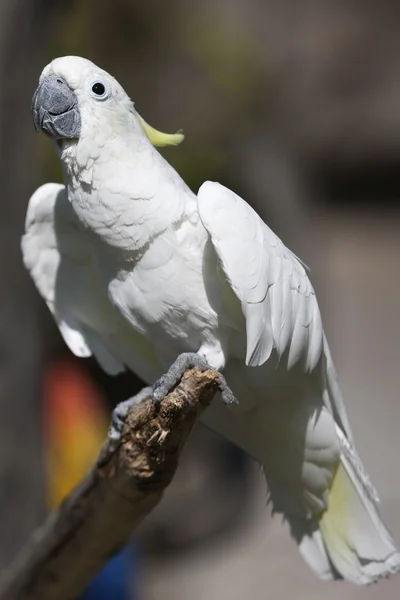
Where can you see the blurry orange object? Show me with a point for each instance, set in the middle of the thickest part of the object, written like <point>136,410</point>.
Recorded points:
<point>76,423</point>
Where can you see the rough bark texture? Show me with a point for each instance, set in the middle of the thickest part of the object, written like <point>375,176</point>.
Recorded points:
<point>126,483</point>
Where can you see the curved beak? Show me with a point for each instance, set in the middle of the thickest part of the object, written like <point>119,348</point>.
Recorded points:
<point>55,109</point>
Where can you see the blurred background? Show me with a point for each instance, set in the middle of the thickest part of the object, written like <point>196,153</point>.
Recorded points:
<point>295,106</point>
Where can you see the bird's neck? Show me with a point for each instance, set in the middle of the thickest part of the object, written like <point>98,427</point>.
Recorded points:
<point>125,196</point>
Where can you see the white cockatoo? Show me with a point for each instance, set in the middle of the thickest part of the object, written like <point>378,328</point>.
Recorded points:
<point>137,270</point>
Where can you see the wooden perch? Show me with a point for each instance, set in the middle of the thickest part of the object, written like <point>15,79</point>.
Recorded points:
<point>124,486</point>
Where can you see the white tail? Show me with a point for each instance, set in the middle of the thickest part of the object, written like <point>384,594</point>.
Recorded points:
<point>349,541</point>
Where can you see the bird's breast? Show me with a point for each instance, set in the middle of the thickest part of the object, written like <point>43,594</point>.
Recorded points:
<point>163,297</point>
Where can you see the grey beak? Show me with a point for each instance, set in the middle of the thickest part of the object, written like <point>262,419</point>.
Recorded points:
<point>55,109</point>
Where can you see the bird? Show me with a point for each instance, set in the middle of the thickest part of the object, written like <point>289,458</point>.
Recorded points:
<point>146,275</point>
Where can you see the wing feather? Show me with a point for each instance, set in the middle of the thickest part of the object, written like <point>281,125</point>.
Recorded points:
<point>278,301</point>
<point>59,261</point>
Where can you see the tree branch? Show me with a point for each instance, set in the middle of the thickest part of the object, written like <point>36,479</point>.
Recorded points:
<point>124,486</point>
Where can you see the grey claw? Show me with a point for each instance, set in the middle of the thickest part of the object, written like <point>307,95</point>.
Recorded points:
<point>121,410</point>
<point>185,361</point>
<point>227,395</point>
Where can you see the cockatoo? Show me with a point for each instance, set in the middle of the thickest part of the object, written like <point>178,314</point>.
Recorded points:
<point>138,270</point>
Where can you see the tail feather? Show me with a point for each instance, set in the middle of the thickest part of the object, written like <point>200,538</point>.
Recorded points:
<point>350,540</point>
<point>312,547</point>
<point>355,536</point>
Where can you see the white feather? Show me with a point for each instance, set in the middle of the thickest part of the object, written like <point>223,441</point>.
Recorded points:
<point>278,300</point>
<point>59,258</point>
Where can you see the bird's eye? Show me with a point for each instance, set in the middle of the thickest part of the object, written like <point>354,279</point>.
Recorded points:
<point>100,90</point>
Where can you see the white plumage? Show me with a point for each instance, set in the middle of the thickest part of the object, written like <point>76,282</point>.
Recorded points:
<point>277,298</point>
<point>136,269</point>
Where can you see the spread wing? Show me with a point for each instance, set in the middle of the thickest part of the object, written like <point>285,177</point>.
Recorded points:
<point>278,300</point>
<point>57,256</point>
<point>60,260</point>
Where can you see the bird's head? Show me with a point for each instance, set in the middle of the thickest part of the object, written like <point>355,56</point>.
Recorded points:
<point>74,95</point>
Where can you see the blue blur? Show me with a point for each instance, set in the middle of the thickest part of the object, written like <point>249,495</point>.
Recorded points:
<point>117,580</point>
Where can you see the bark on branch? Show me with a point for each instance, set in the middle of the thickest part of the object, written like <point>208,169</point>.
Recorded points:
<point>124,486</point>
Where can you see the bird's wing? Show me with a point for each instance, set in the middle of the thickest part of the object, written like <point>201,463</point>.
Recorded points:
<point>277,298</point>
<point>57,256</point>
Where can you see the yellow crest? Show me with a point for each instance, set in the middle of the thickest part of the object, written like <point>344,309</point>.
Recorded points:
<point>158,138</point>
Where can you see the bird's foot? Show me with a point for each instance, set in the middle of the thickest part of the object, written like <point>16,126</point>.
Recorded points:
<point>120,412</point>
<point>185,361</point>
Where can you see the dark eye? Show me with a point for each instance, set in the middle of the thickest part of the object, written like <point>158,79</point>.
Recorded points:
<point>98,89</point>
